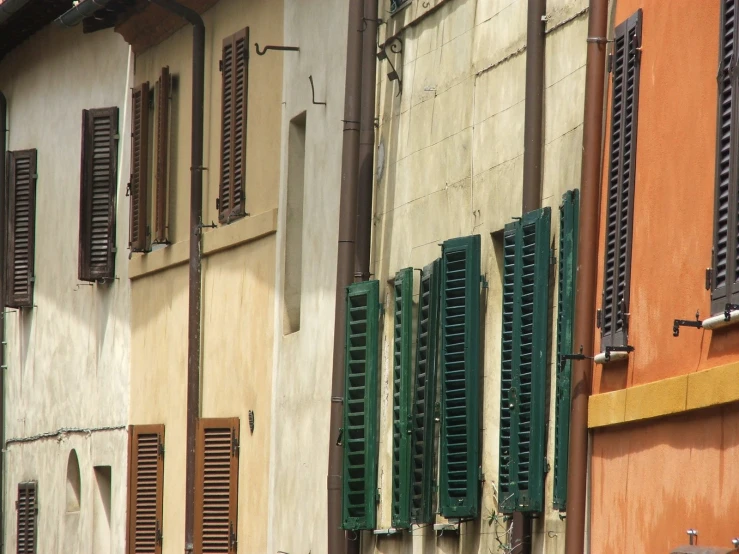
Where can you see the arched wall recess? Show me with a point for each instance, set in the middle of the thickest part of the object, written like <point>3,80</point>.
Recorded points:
<point>73,483</point>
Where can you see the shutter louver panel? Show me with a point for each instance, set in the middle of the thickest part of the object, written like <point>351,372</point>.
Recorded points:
<point>227,118</point>
<point>21,228</point>
<point>523,363</point>
<point>27,512</point>
<point>424,452</point>
<point>139,187</point>
<point>164,89</point>
<point>98,194</point>
<point>460,387</point>
<point>145,489</point>
<point>402,329</point>
<point>621,181</point>
<point>359,483</point>
<point>568,233</point>
<point>216,492</point>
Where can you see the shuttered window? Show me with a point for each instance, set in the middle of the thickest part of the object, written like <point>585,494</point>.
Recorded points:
<point>26,508</point>
<point>140,236</point>
<point>161,224</point>
<point>359,434</point>
<point>145,488</point>
<point>21,228</point>
<point>402,378</point>
<point>725,275</point>
<point>216,487</point>
<point>524,363</point>
<point>234,101</point>
<point>98,194</point>
<point>460,382</point>
<point>424,399</point>
<point>625,64</point>
<point>569,212</point>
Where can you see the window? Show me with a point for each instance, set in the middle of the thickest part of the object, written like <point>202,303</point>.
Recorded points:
<point>525,331</point>
<point>27,513</point>
<point>725,274</point>
<point>21,228</point>
<point>402,329</point>
<point>98,194</point>
<point>460,378</point>
<point>395,5</point>
<point>146,483</point>
<point>569,212</point>
<point>161,223</point>
<point>625,64</point>
<point>234,101</point>
<point>216,488</point>
<point>359,481</point>
<point>140,239</point>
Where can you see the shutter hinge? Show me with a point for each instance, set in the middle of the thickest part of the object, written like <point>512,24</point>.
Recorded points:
<point>382,309</point>
<point>158,534</point>
<point>232,536</point>
<point>609,63</point>
<point>709,278</point>
<point>220,65</point>
<point>340,437</point>
<point>484,281</point>
<point>218,203</point>
<point>437,412</point>
<point>482,475</point>
<point>547,467</point>
<point>128,189</point>
<point>235,447</point>
<point>599,318</point>
<point>378,495</point>
<point>116,136</point>
<point>637,47</point>
<point>161,450</point>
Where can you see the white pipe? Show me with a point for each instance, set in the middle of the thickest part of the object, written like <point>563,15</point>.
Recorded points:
<point>614,357</point>
<point>718,321</point>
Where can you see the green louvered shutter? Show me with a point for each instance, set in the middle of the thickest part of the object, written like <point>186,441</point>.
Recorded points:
<point>569,213</point>
<point>524,363</point>
<point>402,329</point>
<point>359,493</point>
<point>424,397</point>
<point>460,386</point>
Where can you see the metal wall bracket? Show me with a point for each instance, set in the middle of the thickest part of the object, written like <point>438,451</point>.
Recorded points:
<point>728,309</point>
<point>627,348</point>
<point>313,92</point>
<point>692,534</point>
<point>272,47</point>
<point>395,44</point>
<point>698,324</point>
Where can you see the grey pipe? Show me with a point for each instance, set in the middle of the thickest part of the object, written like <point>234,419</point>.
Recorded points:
<point>76,14</point>
<point>10,7</point>
<point>3,146</point>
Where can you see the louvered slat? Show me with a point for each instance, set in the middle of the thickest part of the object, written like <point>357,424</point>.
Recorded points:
<point>164,88</point>
<point>146,481</point>
<point>21,228</point>
<point>423,450</point>
<point>227,118</point>
<point>359,483</point>
<point>139,188</point>
<point>27,511</point>
<point>460,334</point>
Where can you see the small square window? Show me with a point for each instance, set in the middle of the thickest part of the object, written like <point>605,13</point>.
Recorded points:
<point>395,5</point>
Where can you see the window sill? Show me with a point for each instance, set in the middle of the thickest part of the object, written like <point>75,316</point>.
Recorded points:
<point>387,532</point>
<point>719,321</point>
<point>601,359</point>
<point>446,527</point>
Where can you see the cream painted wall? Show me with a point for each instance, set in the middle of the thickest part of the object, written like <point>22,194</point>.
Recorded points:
<point>68,357</point>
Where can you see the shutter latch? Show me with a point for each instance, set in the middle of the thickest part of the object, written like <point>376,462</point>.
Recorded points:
<point>161,450</point>
<point>234,443</point>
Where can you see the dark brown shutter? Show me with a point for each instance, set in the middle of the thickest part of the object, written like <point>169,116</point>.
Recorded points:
<point>139,188</point>
<point>625,66</point>
<point>21,224</point>
<point>216,486</point>
<point>98,194</point>
<point>27,510</point>
<point>163,92</point>
<point>145,487</point>
<point>235,93</point>
<point>725,287</point>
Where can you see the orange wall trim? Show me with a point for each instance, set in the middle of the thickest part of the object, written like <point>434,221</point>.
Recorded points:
<point>711,387</point>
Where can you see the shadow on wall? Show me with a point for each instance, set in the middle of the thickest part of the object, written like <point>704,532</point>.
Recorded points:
<point>71,538</point>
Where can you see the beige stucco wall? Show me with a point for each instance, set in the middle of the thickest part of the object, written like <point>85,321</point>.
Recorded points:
<point>238,273</point>
<point>68,357</point>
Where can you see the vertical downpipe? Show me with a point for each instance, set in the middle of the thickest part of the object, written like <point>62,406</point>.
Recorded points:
<point>3,145</point>
<point>338,541</point>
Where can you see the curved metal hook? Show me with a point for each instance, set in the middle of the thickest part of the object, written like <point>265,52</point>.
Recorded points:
<point>395,44</point>
<point>313,90</point>
<point>272,47</point>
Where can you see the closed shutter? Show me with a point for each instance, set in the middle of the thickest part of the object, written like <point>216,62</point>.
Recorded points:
<point>145,488</point>
<point>359,483</point>
<point>139,187</point>
<point>524,363</point>
<point>402,329</point>
<point>26,512</point>
<point>424,399</point>
<point>460,384</point>
<point>164,88</point>
<point>98,194</point>
<point>21,228</point>
<point>725,288</point>
<point>216,488</point>
<point>234,101</point>
<point>626,61</point>
<point>568,227</point>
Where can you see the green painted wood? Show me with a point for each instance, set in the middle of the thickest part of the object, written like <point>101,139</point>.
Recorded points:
<point>459,491</point>
<point>359,434</point>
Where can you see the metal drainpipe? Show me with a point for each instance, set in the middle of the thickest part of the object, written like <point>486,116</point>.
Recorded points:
<point>587,272</point>
<point>3,144</point>
<point>195,276</point>
<point>338,541</point>
<point>532,172</point>
<point>366,141</point>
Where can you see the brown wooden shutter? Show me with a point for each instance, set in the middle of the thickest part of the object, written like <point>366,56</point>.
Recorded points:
<point>139,188</point>
<point>626,61</point>
<point>21,228</point>
<point>98,194</point>
<point>27,511</point>
<point>725,287</point>
<point>145,488</point>
<point>216,489</point>
<point>235,95</point>
<point>163,93</point>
